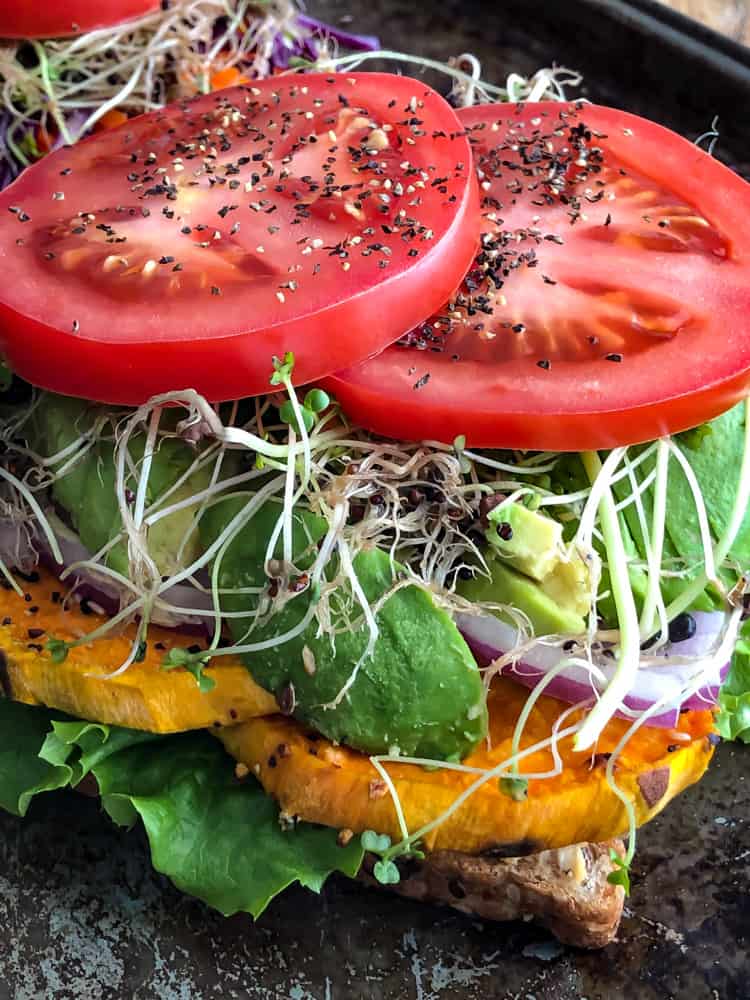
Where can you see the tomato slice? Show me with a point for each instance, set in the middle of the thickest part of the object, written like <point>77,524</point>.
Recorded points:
<point>61,18</point>
<point>609,302</point>
<point>322,215</point>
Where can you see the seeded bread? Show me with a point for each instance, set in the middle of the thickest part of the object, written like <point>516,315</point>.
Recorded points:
<point>565,889</point>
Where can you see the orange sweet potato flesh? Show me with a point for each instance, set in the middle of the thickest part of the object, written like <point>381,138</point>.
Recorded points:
<point>338,787</point>
<point>144,697</point>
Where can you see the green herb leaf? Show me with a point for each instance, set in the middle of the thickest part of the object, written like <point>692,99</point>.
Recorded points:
<point>282,370</point>
<point>194,663</point>
<point>515,788</point>
<point>621,876</point>
<point>459,444</point>
<point>317,400</point>
<point>375,843</point>
<point>205,683</point>
<point>287,414</point>
<point>386,873</point>
<point>58,650</point>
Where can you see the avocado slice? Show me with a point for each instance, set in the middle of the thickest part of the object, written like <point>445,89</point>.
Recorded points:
<point>419,691</point>
<point>548,616</point>
<point>87,491</point>
<point>533,569</point>
<point>530,542</point>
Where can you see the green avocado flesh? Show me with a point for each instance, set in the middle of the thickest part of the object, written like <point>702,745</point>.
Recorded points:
<point>506,585</point>
<point>420,691</point>
<point>88,493</point>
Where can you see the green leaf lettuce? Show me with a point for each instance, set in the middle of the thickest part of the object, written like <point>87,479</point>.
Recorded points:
<point>733,721</point>
<point>216,838</point>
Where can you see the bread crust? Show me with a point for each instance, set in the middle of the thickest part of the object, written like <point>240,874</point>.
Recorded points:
<point>564,889</point>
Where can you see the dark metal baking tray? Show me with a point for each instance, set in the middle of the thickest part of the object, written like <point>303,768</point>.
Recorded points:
<point>83,916</point>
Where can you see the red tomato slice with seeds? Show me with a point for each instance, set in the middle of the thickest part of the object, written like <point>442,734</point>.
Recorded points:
<point>60,18</point>
<point>609,302</point>
<point>322,215</point>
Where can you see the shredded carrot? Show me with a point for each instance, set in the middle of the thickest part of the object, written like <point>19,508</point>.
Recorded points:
<point>112,119</point>
<point>229,77</point>
<point>44,139</point>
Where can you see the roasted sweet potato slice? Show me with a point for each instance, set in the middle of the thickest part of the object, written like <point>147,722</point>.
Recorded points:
<point>144,697</point>
<point>321,783</point>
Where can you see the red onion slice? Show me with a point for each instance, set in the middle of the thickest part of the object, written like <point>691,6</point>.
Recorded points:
<point>490,639</point>
<point>18,549</point>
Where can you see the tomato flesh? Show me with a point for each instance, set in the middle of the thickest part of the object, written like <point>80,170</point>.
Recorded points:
<point>322,215</point>
<point>61,18</point>
<point>608,302</point>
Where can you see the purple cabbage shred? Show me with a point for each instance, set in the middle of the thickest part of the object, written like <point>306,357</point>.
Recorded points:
<point>9,169</point>
<point>357,43</point>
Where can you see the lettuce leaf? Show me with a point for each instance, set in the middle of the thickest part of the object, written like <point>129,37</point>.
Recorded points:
<point>23,774</point>
<point>214,837</point>
<point>733,721</point>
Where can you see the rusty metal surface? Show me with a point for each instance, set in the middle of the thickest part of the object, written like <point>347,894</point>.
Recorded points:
<point>84,917</point>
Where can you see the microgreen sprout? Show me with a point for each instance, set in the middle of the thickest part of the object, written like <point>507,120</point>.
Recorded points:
<point>621,874</point>
<point>375,843</point>
<point>712,135</point>
<point>459,447</point>
<point>135,67</point>
<point>546,84</point>
<point>386,870</point>
<point>628,652</point>
<point>194,662</point>
<point>515,788</point>
<point>282,369</point>
<point>58,649</point>
<point>314,403</point>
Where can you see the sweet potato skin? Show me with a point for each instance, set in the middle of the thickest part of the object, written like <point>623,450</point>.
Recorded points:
<point>144,697</point>
<point>322,783</point>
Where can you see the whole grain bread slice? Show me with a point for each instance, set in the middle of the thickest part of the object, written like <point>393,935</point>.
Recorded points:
<point>565,889</point>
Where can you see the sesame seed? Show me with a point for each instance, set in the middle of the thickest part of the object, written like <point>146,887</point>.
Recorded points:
<point>377,140</point>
